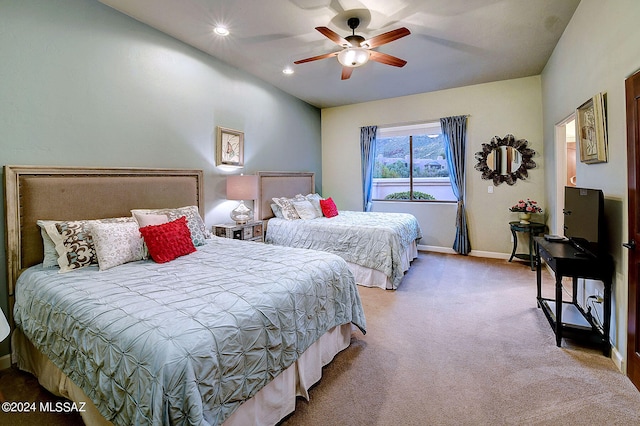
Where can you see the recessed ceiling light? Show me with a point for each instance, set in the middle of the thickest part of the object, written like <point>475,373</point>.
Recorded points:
<point>288,70</point>
<point>221,31</point>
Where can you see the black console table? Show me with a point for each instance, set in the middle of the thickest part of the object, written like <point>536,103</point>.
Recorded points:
<point>568,319</point>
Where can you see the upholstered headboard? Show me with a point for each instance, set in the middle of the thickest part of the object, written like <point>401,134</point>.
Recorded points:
<point>72,193</point>
<point>281,184</point>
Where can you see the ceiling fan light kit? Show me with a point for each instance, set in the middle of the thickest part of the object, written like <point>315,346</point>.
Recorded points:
<point>353,57</point>
<point>356,50</point>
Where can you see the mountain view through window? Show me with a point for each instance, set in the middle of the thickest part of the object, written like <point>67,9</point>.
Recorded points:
<point>411,164</point>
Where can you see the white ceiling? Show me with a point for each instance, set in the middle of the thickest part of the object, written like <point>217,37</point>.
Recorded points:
<point>453,43</point>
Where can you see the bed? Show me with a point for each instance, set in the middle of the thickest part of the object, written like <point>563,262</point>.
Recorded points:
<point>378,247</point>
<point>228,334</point>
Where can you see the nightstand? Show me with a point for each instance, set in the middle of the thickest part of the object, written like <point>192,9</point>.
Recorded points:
<point>251,231</point>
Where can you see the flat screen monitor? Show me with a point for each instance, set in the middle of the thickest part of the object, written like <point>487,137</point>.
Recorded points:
<point>584,218</point>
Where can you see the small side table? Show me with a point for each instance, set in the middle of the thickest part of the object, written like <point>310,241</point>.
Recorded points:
<point>533,229</point>
<point>251,231</point>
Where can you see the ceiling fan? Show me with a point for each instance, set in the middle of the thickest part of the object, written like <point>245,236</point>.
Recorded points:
<point>357,51</point>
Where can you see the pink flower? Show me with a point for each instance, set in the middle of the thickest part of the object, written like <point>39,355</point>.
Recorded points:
<point>529,206</point>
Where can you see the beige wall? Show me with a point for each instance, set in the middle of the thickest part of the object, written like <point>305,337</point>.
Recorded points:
<point>598,50</point>
<point>495,109</point>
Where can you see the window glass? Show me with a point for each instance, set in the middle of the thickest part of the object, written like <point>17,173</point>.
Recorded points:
<point>411,164</point>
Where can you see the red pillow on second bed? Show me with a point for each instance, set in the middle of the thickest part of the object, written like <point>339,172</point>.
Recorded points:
<point>328,207</point>
<point>169,240</point>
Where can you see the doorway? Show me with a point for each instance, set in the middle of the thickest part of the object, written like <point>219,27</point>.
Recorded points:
<point>566,160</point>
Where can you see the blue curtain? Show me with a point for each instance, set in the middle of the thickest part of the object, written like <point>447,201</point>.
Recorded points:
<point>367,152</point>
<point>454,130</point>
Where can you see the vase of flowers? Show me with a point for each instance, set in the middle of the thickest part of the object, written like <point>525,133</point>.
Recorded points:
<point>526,208</point>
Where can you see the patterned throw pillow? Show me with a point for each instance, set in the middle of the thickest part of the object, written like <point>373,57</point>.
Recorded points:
<point>169,240</point>
<point>329,208</point>
<point>116,243</point>
<point>286,205</point>
<point>75,246</point>
<point>195,223</point>
<point>277,211</point>
<point>74,242</point>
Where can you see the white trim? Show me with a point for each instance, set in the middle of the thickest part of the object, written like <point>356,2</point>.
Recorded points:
<point>618,359</point>
<point>436,249</point>
<point>475,253</point>
<point>557,227</point>
<point>490,254</point>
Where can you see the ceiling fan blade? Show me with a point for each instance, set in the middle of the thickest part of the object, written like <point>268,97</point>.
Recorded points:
<point>333,36</point>
<point>346,72</point>
<point>383,58</point>
<point>315,58</point>
<point>385,38</point>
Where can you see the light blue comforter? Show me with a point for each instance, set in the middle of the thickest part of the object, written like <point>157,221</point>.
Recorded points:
<point>371,239</point>
<point>188,341</point>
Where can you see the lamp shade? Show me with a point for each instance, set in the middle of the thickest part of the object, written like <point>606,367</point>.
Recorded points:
<point>353,57</point>
<point>4,326</point>
<point>242,187</point>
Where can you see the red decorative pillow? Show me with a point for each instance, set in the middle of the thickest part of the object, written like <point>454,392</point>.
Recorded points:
<point>328,207</point>
<point>169,240</point>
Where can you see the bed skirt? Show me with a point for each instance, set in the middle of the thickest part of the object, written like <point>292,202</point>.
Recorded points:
<point>368,277</point>
<point>270,405</point>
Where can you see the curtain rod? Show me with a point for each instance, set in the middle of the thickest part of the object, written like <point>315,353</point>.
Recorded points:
<point>410,123</point>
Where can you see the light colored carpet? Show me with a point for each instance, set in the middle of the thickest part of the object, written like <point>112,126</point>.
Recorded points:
<point>461,342</point>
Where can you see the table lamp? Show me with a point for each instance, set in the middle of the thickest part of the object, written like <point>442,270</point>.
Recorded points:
<point>242,187</point>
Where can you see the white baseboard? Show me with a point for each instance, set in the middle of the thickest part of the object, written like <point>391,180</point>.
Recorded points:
<point>476,253</point>
<point>436,249</point>
<point>5,361</point>
<point>618,360</point>
<point>490,254</point>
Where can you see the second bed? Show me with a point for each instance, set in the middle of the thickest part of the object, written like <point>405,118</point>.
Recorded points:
<point>378,247</point>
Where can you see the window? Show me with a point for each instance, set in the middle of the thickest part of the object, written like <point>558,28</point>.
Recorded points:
<point>411,165</point>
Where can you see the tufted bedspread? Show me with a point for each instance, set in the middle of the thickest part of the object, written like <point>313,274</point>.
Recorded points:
<point>371,239</point>
<point>188,341</point>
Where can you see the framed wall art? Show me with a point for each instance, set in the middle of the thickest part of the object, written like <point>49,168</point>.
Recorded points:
<point>591,130</point>
<point>229,147</point>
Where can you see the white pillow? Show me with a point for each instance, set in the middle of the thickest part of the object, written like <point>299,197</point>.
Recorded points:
<point>305,209</point>
<point>50,259</point>
<point>315,200</point>
<point>150,219</point>
<point>116,243</point>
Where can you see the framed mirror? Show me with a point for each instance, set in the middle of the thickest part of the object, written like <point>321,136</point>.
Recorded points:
<point>505,160</point>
